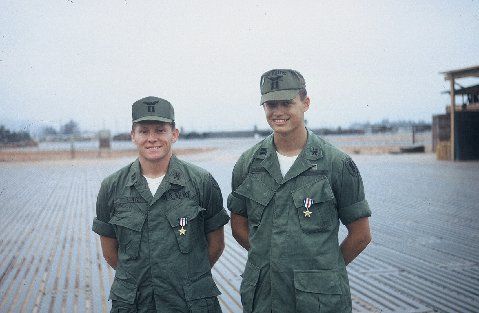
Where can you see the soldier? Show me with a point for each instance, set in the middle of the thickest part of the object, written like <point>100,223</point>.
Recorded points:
<point>160,222</point>
<point>289,193</point>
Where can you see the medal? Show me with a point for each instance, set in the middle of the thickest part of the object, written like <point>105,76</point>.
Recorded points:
<point>307,204</point>
<point>183,222</point>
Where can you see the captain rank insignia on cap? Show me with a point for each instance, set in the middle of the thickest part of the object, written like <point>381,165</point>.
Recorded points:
<point>274,79</point>
<point>183,222</point>
<point>151,105</point>
<point>307,204</point>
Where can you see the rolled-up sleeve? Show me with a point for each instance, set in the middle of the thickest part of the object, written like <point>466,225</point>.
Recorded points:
<point>103,228</point>
<point>216,215</point>
<point>352,204</point>
<point>103,209</point>
<point>236,203</point>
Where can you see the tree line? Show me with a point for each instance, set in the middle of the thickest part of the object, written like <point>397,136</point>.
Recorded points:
<point>8,136</point>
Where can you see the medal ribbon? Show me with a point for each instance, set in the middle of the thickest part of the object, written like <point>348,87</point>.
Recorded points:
<point>183,221</point>
<point>308,202</point>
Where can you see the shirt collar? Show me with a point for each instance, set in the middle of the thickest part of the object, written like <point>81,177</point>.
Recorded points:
<point>174,174</point>
<point>311,151</point>
<point>133,173</point>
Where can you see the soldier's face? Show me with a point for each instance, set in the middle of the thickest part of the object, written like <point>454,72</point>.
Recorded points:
<point>154,140</point>
<point>286,116</point>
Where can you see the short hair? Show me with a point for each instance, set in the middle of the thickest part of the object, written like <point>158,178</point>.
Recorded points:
<point>172,124</point>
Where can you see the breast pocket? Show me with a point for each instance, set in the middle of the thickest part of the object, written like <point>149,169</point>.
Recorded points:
<point>256,188</point>
<point>315,206</point>
<point>186,222</point>
<point>128,223</point>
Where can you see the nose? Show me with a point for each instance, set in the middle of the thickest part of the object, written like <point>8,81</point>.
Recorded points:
<point>278,110</point>
<point>152,137</point>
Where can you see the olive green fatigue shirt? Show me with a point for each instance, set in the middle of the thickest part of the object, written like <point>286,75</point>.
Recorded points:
<point>160,268</point>
<point>294,262</point>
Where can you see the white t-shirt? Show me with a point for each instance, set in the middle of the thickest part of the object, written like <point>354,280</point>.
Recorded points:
<point>285,162</point>
<point>154,183</point>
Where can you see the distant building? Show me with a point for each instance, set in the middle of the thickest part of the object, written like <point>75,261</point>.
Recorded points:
<point>104,137</point>
<point>104,141</point>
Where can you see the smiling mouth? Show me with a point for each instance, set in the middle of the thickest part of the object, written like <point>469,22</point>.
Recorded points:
<point>153,148</point>
<point>280,121</point>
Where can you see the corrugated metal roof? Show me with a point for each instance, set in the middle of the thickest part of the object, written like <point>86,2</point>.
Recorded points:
<point>423,258</point>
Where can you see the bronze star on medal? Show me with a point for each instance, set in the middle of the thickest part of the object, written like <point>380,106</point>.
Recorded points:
<point>182,231</point>
<point>307,213</point>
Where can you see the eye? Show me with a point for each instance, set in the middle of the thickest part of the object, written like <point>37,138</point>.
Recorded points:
<point>271,105</point>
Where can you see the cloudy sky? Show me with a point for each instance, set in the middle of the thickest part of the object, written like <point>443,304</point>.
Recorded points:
<point>362,60</point>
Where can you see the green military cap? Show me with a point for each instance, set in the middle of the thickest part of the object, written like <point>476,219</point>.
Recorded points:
<point>152,109</point>
<point>281,85</point>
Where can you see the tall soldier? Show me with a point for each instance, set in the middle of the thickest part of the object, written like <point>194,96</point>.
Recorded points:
<point>289,193</point>
<point>160,222</point>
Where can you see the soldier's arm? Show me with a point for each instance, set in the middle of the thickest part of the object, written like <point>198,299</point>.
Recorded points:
<point>239,228</point>
<point>216,244</point>
<point>237,206</point>
<point>101,226</point>
<point>353,209</point>
<point>216,217</point>
<point>109,247</point>
<point>359,236</point>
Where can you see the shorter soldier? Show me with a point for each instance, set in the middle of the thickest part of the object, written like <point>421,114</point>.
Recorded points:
<point>160,222</point>
<point>289,193</point>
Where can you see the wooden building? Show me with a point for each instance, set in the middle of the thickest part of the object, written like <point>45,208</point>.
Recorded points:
<point>456,133</point>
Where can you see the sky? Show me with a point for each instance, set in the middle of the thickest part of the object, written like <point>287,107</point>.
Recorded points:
<point>362,60</point>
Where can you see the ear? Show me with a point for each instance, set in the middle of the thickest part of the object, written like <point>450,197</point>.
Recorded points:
<point>176,135</point>
<point>306,103</point>
<point>132,135</point>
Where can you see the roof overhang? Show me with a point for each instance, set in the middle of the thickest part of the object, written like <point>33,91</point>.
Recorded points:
<point>463,72</point>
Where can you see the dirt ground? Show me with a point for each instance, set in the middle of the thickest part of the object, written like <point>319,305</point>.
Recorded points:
<point>29,156</point>
<point>374,144</point>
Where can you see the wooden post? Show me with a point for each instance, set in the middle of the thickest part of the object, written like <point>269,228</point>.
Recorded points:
<point>453,109</point>
<point>413,128</point>
<point>72,147</point>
